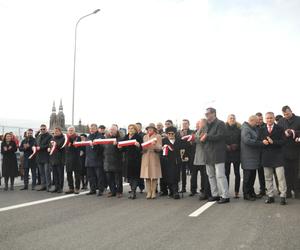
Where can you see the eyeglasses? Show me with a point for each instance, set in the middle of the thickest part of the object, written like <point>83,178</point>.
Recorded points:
<point>42,129</point>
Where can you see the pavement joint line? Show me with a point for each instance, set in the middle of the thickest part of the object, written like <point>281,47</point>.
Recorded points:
<point>200,210</point>
<point>32,203</point>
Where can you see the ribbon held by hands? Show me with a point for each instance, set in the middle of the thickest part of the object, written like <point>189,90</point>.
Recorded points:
<point>288,131</point>
<point>104,141</point>
<point>65,142</point>
<point>34,149</point>
<point>127,143</point>
<point>82,143</point>
<point>166,148</point>
<point>188,138</point>
<point>148,143</point>
<point>53,147</point>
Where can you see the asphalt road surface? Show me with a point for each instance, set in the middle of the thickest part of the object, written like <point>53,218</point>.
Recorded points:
<point>85,222</point>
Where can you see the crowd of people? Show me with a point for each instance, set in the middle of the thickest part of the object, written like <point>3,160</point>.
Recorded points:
<point>160,158</point>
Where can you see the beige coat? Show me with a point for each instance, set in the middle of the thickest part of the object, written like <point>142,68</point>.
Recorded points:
<point>150,168</point>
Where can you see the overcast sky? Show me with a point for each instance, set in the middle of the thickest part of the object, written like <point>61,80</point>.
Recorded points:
<point>149,60</point>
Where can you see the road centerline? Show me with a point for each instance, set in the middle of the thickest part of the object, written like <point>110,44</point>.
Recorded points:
<point>200,210</point>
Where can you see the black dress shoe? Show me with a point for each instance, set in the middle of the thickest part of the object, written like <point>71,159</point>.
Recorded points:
<point>283,201</point>
<point>289,195</point>
<point>270,200</point>
<point>223,200</point>
<point>192,194</point>
<point>249,197</point>
<point>182,191</point>
<point>132,196</point>
<point>176,196</point>
<point>212,198</point>
<point>24,188</point>
<point>260,195</point>
<point>91,192</point>
<point>163,193</point>
<point>53,191</point>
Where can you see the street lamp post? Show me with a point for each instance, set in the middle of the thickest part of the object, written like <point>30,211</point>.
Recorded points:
<point>74,68</point>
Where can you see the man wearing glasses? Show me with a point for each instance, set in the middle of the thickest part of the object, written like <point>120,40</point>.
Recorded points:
<point>215,153</point>
<point>42,158</point>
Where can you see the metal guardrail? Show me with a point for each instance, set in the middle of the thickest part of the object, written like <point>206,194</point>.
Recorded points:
<point>18,131</point>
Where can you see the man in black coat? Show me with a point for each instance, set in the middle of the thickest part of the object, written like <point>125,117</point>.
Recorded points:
<point>57,159</point>
<point>186,153</point>
<point>94,162</point>
<point>42,158</point>
<point>272,137</point>
<point>291,151</point>
<point>233,151</point>
<point>73,164</point>
<point>26,148</point>
<point>260,171</point>
<point>141,134</point>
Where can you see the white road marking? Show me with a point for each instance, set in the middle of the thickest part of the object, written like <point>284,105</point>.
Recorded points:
<point>32,203</point>
<point>202,209</point>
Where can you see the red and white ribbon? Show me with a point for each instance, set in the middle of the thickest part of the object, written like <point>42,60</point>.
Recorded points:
<point>166,148</point>
<point>53,147</point>
<point>148,143</point>
<point>127,143</point>
<point>297,139</point>
<point>66,141</point>
<point>188,138</point>
<point>34,150</point>
<point>104,141</point>
<point>82,143</point>
<point>290,130</point>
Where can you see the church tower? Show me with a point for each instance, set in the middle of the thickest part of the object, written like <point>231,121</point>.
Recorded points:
<point>61,117</point>
<point>53,117</point>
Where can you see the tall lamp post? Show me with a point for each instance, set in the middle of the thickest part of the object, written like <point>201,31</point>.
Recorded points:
<point>74,69</point>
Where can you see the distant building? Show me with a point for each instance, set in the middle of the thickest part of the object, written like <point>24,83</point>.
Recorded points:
<point>58,120</point>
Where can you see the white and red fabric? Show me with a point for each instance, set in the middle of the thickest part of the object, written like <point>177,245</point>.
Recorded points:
<point>297,139</point>
<point>34,151</point>
<point>166,148</point>
<point>66,141</point>
<point>127,143</point>
<point>188,138</point>
<point>148,143</point>
<point>53,147</point>
<point>104,141</point>
<point>288,131</point>
<point>82,143</point>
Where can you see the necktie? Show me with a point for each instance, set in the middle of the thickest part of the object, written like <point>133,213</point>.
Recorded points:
<point>270,129</point>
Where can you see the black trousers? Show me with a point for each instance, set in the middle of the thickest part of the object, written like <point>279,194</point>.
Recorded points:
<point>261,178</point>
<point>204,185</point>
<point>26,176</point>
<point>183,167</point>
<point>97,178</point>
<point>77,175</point>
<point>173,188</point>
<point>115,182</point>
<point>58,176</point>
<point>248,182</point>
<point>236,167</point>
<point>134,182</point>
<point>141,184</point>
<point>291,175</point>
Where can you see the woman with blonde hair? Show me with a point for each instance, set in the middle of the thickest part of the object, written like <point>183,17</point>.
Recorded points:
<point>151,168</point>
<point>132,159</point>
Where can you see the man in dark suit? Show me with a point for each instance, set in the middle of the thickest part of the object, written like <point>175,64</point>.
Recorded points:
<point>291,150</point>
<point>272,137</point>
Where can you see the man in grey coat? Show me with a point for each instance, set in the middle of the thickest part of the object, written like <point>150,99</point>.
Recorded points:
<point>215,154</point>
<point>250,156</point>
